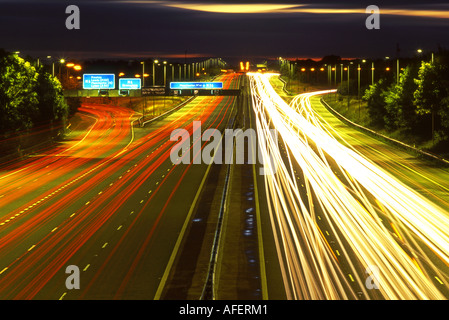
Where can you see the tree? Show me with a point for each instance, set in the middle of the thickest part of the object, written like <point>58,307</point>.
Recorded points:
<point>52,106</point>
<point>431,91</point>
<point>374,95</point>
<point>18,99</point>
<point>27,95</point>
<point>400,109</point>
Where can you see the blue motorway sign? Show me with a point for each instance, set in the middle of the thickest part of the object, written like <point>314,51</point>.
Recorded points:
<point>196,85</point>
<point>98,81</point>
<point>129,83</point>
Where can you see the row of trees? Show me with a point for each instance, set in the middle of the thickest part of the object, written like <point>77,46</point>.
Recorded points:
<point>28,95</point>
<point>418,103</point>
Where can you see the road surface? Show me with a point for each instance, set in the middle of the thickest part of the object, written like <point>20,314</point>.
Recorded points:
<point>108,200</point>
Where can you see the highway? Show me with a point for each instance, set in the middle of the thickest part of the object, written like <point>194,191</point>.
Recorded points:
<point>108,200</point>
<point>345,228</point>
<point>329,214</point>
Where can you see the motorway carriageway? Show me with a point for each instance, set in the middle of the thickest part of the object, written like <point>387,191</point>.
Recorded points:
<point>345,228</point>
<point>108,200</point>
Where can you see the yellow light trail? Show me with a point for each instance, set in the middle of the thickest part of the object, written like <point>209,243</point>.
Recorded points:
<point>348,202</point>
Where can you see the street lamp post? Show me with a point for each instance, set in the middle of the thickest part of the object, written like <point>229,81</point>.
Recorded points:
<point>154,73</point>
<point>348,86</point>
<point>165,80</point>
<point>341,72</point>
<point>358,81</point>
<point>143,73</point>
<point>358,86</point>
<point>61,61</point>
<point>335,74</point>
<point>397,71</point>
<point>52,66</point>
<point>165,73</point>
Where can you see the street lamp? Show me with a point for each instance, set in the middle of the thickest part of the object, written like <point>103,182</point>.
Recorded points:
<point>143,73</point>
<point>348,87</point>
<point>334,69</point>
<point>432,55</point>
<point>341,72</point>
<point>154,74</point>
<point>52,66</point>
<point>358,86</point>
<point>61,62</point>
<point>397,71</point>
<point>165,73</point>
<point>165,80</point>
<point>358,80</point>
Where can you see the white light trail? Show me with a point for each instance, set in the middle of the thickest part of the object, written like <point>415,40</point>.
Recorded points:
<point>354,197</point>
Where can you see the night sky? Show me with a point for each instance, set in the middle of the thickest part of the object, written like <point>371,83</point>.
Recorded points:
<point>227,29</point>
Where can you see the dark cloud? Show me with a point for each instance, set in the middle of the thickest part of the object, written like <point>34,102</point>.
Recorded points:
<point>122,29</point>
